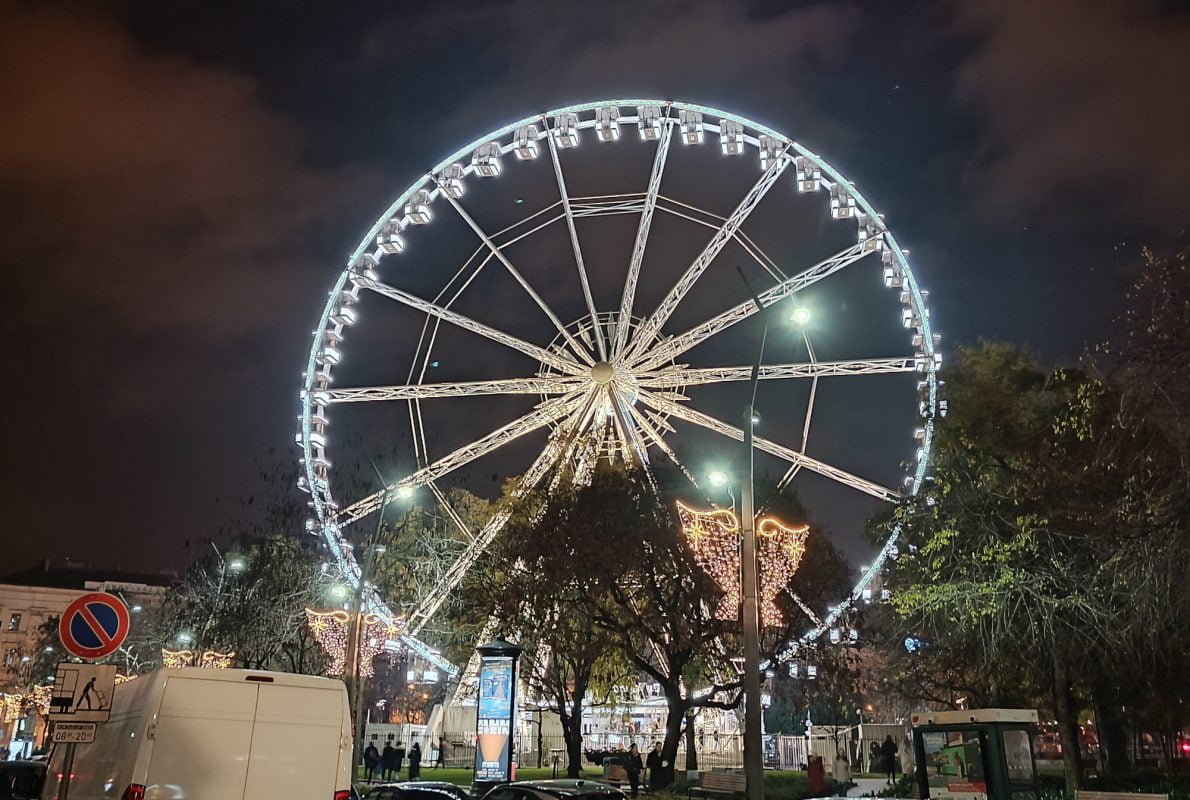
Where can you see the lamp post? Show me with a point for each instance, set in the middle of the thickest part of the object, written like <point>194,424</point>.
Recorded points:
<point>353,669</point>
<point>753,707</point>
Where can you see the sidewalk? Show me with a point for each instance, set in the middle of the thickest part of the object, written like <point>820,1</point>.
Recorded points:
<point>867,787</point>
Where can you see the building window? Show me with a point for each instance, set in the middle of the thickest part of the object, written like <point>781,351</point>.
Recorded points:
<point>14,622</point>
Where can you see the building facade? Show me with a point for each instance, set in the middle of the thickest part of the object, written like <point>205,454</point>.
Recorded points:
<point>31,601</point>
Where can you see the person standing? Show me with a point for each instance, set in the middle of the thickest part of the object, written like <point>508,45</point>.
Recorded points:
<point>653,762</point>
<point>441,753</point>
<point>634,767</point>
<point>399,758</point>
<point>371,759</point>
<point>842,774</point>
<point>415,762</point>
<point>387,759</point>
<point>888,752</point>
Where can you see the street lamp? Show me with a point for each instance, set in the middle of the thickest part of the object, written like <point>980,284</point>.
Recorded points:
<point>753,704</point>
<point>717,477</point>
<point>237,564</point>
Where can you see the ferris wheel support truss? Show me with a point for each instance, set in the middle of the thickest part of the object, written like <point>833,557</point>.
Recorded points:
<point>595,372</point>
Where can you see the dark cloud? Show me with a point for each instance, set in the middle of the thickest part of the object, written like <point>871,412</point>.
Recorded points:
<point>159,190</point>
<point>1082,105</point>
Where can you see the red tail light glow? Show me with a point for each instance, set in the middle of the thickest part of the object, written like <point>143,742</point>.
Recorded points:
<point>135,791</point>
<point>343,794</point>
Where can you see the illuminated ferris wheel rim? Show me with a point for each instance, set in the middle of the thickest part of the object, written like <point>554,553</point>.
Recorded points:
<point>559,128</point>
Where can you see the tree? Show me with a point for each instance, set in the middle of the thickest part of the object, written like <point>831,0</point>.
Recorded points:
<point>1051,505</point>
<point>251,601</point>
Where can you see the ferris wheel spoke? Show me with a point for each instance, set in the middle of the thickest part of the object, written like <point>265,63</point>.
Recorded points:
<point>688,414</point>
<point>455,318</point>
<point>673,347</point>
<point>642,237</point>
<point>462,526</point>
<point>578,349</point>
<point>682,376</point>
<point>655,437</point>
<point>547,412</point>
<point>434,599</point>
<point>578,251</point>
<point>652,326</point>
<point>793,470</point>
<point>424,391</point>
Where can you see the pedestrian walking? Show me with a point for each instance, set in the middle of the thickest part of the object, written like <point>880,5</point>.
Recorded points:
<point>634,767</point>
<point>415,762</point>
<point>387,759</point>
<point>441,760</point>
<point>653,762</point>
<point>888,752</point>
<point>371,760</point>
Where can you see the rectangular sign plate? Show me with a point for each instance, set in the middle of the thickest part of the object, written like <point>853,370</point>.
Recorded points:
<point>82,692</point>
<point>73,733</point>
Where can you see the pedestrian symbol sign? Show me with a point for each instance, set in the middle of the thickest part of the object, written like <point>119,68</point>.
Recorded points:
<point>94,625</point>
<point>82,692</point>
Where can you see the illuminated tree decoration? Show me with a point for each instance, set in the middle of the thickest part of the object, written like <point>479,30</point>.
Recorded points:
<point>330,629</point>
<point>714,537</point>
<point>208,659</point>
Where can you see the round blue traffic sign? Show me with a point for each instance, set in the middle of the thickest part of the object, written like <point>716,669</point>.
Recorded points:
<point>94,625</point>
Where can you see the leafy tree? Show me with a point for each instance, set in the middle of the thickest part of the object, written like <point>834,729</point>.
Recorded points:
<point>1052,505</point>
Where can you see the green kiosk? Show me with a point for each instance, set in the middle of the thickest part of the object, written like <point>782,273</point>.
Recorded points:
<point>984,754</point>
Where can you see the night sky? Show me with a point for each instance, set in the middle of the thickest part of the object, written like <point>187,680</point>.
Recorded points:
<point>180,184</point>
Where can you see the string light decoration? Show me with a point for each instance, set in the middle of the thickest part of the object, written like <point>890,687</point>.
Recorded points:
<point>40,699</point>
<point>331,631</point>
<point>714,537</point>
<point>212,659</point>
<point>12,707</point>
<point>176,659</point>
<point>781,548</point>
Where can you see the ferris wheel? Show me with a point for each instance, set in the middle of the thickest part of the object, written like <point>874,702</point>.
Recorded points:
<point>600,372</point>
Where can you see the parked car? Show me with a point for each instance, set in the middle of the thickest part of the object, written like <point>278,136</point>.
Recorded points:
<point>417,790</point>
<point>217,733</point>
<point>21,780</point>
<point>561,789</point>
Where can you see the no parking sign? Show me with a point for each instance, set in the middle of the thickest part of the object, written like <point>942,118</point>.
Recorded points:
<point>94,625</point>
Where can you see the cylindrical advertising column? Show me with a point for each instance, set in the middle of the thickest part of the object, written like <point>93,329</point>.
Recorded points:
<point>495,714</point>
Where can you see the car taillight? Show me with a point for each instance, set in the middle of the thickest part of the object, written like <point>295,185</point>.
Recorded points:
<point>135,791</point>
<point>343,794</point>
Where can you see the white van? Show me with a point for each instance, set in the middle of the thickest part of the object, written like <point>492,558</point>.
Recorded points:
<point>216,734</point>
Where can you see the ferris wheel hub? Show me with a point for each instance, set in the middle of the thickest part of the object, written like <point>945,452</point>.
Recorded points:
<point>602,372</point>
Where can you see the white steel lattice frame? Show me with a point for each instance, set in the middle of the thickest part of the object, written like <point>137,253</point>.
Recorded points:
<point>586,410</point>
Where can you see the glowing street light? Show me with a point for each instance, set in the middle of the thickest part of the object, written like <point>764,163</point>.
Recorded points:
<point>339,591</point>
<point>800,316</point>
<point>718,477</point>
<point>236,564</point>
<point>185,638</point>
<point>404,492</point>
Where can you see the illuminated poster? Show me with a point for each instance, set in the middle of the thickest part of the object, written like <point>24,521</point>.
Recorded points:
<point>493,727</point>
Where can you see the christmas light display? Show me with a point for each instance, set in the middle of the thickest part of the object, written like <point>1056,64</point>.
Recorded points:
<point>331,631</point>
<point>781,548</point>
<point>714,537</point>
<point>12,707</point>
<point>212,659</point>
<point>176,659</point>
<point>40,698</point>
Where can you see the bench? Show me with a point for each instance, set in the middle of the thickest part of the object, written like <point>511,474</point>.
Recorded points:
<point>1082,795</point>
<point>616,774</point>
<point>728,783</point>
